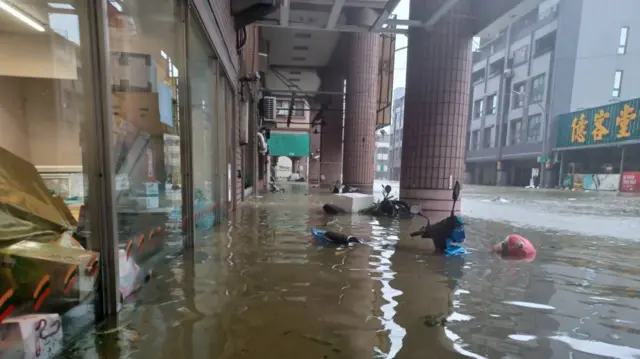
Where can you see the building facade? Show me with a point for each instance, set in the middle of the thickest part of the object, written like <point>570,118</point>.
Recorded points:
<point>550,61</point>
<point>382,162</point>
<point>395,145</point>
<point>124,139</point>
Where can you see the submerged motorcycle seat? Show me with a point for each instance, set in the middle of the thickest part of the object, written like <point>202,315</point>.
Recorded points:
<point>340,238</point>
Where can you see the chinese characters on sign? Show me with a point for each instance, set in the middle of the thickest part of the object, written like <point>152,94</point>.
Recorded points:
<point>579,129</point>
<point>599,129</point>
<point>627,115</point>
<point>599,125</point>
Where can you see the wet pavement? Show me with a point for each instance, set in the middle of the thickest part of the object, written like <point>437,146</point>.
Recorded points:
<point>259,289</point>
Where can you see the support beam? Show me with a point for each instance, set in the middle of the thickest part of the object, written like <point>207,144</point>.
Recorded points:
<point>384,15</point>
<point>312,93</point>
<point>340,28</point>
<point>336,10</point>
<point>373,4</point>
<point>284,13</point>
<point>443,10</point>
<point>403,22</point>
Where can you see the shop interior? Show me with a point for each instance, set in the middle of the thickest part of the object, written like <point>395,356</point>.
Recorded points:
<point>49,257</point>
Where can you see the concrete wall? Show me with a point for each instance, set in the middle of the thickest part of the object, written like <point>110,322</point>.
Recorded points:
<point>597,46</point>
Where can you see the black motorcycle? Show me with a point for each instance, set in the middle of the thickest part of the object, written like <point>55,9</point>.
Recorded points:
<point>448,234</point>
<point>389,206</point>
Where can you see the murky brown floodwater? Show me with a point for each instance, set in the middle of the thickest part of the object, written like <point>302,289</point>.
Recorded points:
<point>259,289</point>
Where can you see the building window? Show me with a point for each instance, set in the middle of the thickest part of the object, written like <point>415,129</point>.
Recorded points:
<point>521,55</point>
<point>486,137</point>
<point>282,107</point>
<point>474,140</point>
<point>477,108</point>
<point>545,44</point>
<point>624,36</point>
<point>534,125</point>
<point>617,84</point>
<point>515,131</point>
<point>492,104</point>
<point>518,95</point>
<point>537,89</point>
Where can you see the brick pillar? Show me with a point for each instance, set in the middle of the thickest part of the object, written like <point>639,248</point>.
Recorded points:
<point>331,138</point>
<point>361,103</point>
<point>436,106</point>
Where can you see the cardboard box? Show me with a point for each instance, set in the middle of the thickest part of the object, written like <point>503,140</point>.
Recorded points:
<point>133,72</point>
<point>37,271</point>
<point>31,336</point>
<point>140,109</point>
<point>39,258</point>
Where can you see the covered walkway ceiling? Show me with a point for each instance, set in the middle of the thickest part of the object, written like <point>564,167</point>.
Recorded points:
<point>301,36</point>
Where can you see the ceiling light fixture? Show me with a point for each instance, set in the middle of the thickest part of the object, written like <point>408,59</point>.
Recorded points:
<point>19,14</point>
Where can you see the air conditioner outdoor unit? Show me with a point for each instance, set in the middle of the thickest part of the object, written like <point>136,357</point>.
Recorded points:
<point>269,108</point>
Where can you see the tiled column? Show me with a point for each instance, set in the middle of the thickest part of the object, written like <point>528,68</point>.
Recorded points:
<point>436,106</point>
<point>331,131</point>
<point>361,103</point>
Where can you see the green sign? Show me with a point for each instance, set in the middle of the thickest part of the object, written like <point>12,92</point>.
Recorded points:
<point>289,144</point>
<point>613,123</point>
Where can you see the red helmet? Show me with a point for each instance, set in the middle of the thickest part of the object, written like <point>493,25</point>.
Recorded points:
<point>516,247</point>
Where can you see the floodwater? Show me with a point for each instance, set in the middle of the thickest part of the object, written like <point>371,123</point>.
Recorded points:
<point>259,289</point>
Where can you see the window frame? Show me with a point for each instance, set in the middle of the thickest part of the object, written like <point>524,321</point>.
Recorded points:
<point>492,108</point>
<point>538,128</point>
<point>525,57</point>
<point>534,91</point>
<point>478,108</point>
<point>623,41</point>
<point>617,83</point>
<point>522,93</point>
<point>515,137</point>
<point>489,130</point>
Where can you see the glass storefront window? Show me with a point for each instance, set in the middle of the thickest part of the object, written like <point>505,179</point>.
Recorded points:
<point>204,111</point>
<point>49,259</point>
<point>145,69</point>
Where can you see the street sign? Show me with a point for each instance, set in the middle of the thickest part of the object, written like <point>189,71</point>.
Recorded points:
<point>543,159</point>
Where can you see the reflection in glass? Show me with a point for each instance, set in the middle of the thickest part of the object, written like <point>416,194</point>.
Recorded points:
<point>48,257</point>
<point>145,61</point>
<point>203,75</point>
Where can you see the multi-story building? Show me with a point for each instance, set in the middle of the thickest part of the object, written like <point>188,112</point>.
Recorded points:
<point>563,56</point>
<point>395,130</point>
<point>382,155</point>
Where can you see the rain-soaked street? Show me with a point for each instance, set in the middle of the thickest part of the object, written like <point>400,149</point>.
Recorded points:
<point>258,288</point>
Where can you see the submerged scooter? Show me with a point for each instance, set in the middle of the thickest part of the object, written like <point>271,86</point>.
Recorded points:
<point>389,206</point>
<point>273,187</point>
<point>448,234</point>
